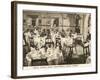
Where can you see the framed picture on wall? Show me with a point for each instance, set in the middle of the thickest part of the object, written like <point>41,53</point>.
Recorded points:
<point>49,39</point>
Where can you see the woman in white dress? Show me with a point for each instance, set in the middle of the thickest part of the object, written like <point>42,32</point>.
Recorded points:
<point>50,54</point>
<point>58,54</point>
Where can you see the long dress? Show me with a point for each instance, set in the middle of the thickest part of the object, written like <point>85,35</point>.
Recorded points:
<point>58,55</point>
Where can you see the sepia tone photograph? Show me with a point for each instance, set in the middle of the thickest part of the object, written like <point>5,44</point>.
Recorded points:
<point>56,38</point>
<point>53,39</point>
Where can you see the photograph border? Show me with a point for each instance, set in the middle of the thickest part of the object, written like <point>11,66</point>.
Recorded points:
<point>14,37</point>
